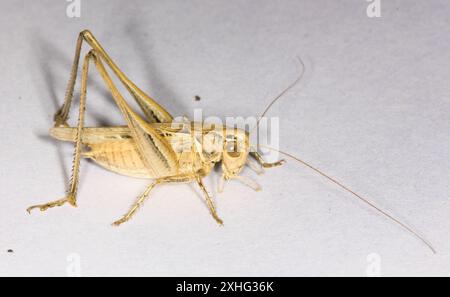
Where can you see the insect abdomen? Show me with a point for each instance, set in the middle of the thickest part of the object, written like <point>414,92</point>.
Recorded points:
<point>119,156</point>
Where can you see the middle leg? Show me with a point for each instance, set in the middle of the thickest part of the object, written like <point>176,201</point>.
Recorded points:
<point>137,204</point>
<point>209,201</point>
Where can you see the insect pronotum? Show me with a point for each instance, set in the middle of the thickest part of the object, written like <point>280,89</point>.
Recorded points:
<point>157,147</point>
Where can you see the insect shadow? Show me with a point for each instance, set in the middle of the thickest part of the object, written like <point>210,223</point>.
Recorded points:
<point>45,52</point>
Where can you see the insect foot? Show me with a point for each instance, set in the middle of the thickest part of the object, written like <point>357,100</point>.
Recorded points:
<point>120,222</point>
<point>70,198</point>
<point>218,220</point>
<point>270,165</point>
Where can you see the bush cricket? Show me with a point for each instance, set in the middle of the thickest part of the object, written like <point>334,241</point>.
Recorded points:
<point>156,147</point>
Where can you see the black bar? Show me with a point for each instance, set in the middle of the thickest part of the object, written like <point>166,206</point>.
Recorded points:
<point>226,286</point>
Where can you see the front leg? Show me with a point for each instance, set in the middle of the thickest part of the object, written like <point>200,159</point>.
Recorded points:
<point>263,163</point>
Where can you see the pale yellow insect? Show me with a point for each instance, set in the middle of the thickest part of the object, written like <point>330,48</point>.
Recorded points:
<point>155,146</point>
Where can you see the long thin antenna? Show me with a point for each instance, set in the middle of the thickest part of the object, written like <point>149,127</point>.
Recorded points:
<point>365,200</point>
<point>272,102</point>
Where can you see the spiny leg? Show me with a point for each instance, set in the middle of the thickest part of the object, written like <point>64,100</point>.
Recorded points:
<point>137,204</point>
<point>73,187</point>
<point>152,110</point>
<point>43,207</point>
<point>263,163</point>
<point>209,202</point>
<point>129,116</point>
<point>62,114</point>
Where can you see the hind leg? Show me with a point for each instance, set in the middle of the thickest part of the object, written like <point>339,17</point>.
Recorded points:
<point>73,187</point>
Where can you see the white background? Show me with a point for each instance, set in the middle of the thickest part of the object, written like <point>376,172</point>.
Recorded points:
<point>372,111</point>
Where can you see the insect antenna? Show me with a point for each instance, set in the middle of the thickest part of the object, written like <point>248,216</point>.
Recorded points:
<point>333,180</point>
<point>272,102</point>
<point>295,82</point>
<point>363,199</point>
